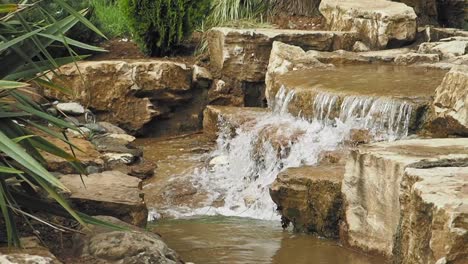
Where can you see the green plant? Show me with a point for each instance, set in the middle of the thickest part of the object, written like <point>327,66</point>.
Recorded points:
<point>160,25</point>
<point>108,17</point>
<point>25,59</point>
<point>237,12</point>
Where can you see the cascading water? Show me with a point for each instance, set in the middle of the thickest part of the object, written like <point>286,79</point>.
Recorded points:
<point>246,162</point>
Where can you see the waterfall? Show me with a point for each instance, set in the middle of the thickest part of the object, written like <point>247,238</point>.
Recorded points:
<point>246,162</point>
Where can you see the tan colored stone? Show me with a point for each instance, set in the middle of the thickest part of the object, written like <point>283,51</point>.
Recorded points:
<point>413,57</point>
<point>129,94</point>
<point>451,103</point>
<point>233,117</point>
<point>244,53</point>
<point>310,198</point>
<point>434,215</point>
<point>31,253</point>
<point>380,24</point>
<point>108,193</point>
<point>372,187</point>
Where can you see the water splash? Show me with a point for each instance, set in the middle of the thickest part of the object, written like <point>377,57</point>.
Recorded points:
<point>248,159</point>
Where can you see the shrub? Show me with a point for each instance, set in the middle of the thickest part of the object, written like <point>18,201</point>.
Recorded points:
<point>160,25</point>
<point>108,17</point>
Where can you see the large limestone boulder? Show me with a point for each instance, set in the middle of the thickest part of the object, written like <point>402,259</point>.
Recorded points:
<point>310,198</point>
<point>108,193</point>
<point>381,24</point>
<point>451,103</point>
<point>240,57</point>
<point>376,193</point>
<point>434,214</point>
<point>32,252</point>
<point>103,245</point>
<point>127,93</point>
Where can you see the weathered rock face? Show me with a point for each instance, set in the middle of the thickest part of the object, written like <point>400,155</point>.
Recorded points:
<point>433,215</point>
<point>31,253</point>
<point>102,245</point>
<point>374,191</point>
<point>451,103</point>
<point>240,58</point>
<point>380,24</point>
<point>231,116</point>
<point>310,198</point>
<point>129,94</point>
<point>446,48</point>
<point>110,193</point>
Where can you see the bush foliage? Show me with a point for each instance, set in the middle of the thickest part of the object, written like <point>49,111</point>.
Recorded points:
<point>160,25</point>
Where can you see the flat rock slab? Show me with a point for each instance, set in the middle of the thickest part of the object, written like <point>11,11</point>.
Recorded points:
<point>243,54</point>
<point>231,117</point>
<point>381,24</point>
<point>108,193</point>
<point>310,198</point>
<point>373,188</point>
<point>434,206</point>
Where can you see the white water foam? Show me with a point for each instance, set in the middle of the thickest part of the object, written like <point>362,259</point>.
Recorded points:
<point>247,163</point>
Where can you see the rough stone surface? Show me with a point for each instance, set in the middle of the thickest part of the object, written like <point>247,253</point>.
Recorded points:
<point>372,188</point>
<point>413,57</point>
<point>232,116</point>
<point>101,245</point>
<point>310,198</point>
<point>447,49</point>
<point>240,57</point>
<point>129,94</point>
<point>71,108</point>
<point>380,24</point>
<point>110,128</point>
<point>109,193</point>
<point>244,53</point>
<point>434,213</point>
<point>87,155</point>
<point>451,103</point>
<point>31,253</point>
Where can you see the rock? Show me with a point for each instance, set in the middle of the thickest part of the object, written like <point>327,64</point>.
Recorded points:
<point>413,57</point>
<point>142,170</point>
<point>108,193</point>
<point>201,76</point>
<point>310,198</point>
<point>244,53</point>
<point>110,128</point>
<point>426,10</point>
<point>115,144</point>
<point>127,93</point>
<point>86,154</point>
<point>73,121</point>
<point>373,188</point>
<point>113,159</point>
<point>95,128</point>
<point>83,132</point>
<point>240,57</point>
<point>231,117</point>
<point>103,245</point>
<point>360,47</point>
<point>283,59</point>
<point>381,24</point>
<point>71,108</point>
<point>359,136</point>
<point>434,216</point>
<point>219,161</point>
<point>451,103</point>
<point>124,137</point>
<point>446,49</point>
<point>31,253</point>
<point>435,34</point>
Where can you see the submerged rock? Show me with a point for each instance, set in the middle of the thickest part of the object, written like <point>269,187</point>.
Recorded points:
<point>104,245</point>
<point>376,191</point>
<point>310,198</point>
<point>108,193</point>
<point>380,24</point>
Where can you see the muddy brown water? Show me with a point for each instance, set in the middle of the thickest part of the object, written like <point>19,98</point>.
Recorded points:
<point>218,239</point>
<point>369,79</point>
